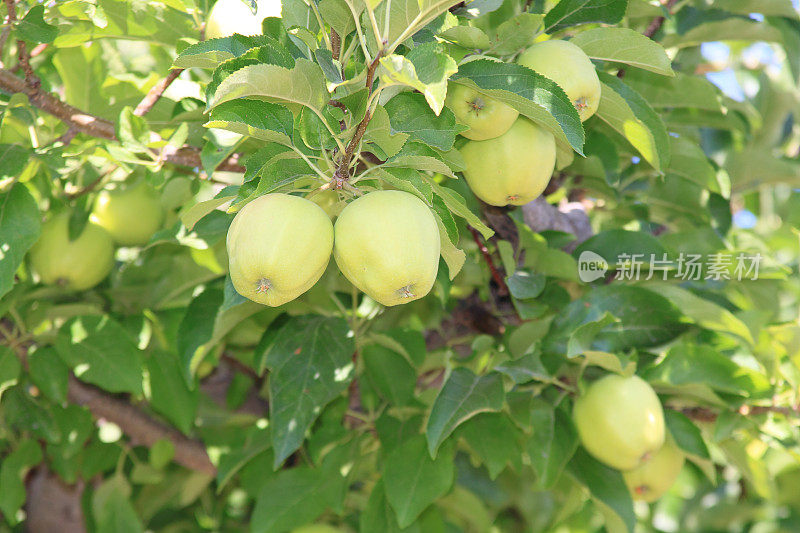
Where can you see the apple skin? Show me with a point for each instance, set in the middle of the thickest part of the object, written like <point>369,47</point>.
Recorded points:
<point>233,16</point>
<point>569,66</point>
<point>130,214</point>
<point>653,479</point>
<point>620,421</point>
<point>278,247</point>
<point>387,245</point>
<point>511,169</point>
<point>76,265</point>
<point>486,117</point>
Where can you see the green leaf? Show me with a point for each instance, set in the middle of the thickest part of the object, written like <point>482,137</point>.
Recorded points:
<point>198,211</point>
<point>311,364</point>
<point>495,439</point>
<point>304,84</point>
<point>466,36</point>
<point>630,115</point>
<point>169,393</point>
<point>296,497</point>
<point>425,69</point>
<point>452,255</point>
<point>687,364</point>
<point>618,245</point>
<point>15,158</point>
<point>13,470</point>
<point>406,179</point>
<point>33,28</point>
<point>553,443</point>
<point>212,52</point>
<point>196,329</point>
<point>390,374</point>
<point>681,91</point>
<point>731,29</point>
<point>704,312</point>
<point>331,67</point>
<point>380,138</point>
<point>379,515</point>
<point>101,352</point>
<point>687,436</point>
<point>573,12</point>
<point>271,54</point>
<point>524,284</point>
<point>257,441</point>
<point>689,160</point>
<point>409,113</point>
<point>623,45</point>
<point>526,368</point>
<point>518,32</point>
<point>421,157</point>
<point>20,225</point>
<point>10,368</point>
<point>456,203</point>
<point>533,95</point>
<point>413,480</point>
<point>463,396</point>
<point>605,484</point>
<point>49,373</point>
<point>338,15</point>
<point>112,508</point>
<point>260,120</point>
<point>662,321</point>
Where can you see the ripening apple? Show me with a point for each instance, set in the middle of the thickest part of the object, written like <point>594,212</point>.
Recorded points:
<point>76,265</point>
<point>131,213</point>
<point>486,117</point>
<point>651,480</point>
<point>620,421</point>
<point>569,66</point>
<point>278,247</point>
<point>511,169</point>
<point>234,16</point>
<point>387,245</point>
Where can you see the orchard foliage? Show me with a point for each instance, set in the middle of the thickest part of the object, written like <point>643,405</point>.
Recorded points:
<point>144,392</point>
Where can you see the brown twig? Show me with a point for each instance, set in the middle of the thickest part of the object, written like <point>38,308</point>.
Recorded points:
<point>498,278</point>
<point>336,44</point>
<point>98,127</point>
<point>342,173</point>
<point>141,429</point>
<point>657,22</point>
<point>38,49</point>
<point>155,93</point>
<point>704,414</point>
<point>10,19</point>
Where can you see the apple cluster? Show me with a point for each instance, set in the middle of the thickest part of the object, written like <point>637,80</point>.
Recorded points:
<point>620,421</point>
<point>386,243</point>
<point>509,158</point>
<point>124,216</point>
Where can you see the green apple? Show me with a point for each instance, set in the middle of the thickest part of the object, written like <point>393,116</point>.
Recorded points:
<point>234,16</point>
<point>278,247</point>
<point>486,117</point>
<point>77,265</point>
<point>387,245</point>
<point>568,66</point>
<point>511,169</point>
<point>620,421</point>
<point>131,214</point>
<point>651,480</point>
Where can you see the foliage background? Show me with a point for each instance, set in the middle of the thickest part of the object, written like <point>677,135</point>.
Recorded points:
<point>131,407</point>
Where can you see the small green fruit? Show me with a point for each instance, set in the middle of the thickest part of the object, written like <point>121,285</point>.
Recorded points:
<point>387,245</point>
<point>570,67</point>
<point>486,117</point>
<point>512,169</point>
<point>620,421</point>
<point>653,479</point>
<point>131,214</point>
<point>233,16</point>
<point>77,265</point>
<point>278,247</point>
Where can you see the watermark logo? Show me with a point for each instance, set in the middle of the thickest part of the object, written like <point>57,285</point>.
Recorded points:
<point>591,266</point>
<point>686,267</point>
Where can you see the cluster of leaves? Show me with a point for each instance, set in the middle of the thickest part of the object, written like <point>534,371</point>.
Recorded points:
<point>451,413</point>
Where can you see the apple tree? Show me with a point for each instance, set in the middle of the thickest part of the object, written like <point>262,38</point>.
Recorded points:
<point>399,265</point>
